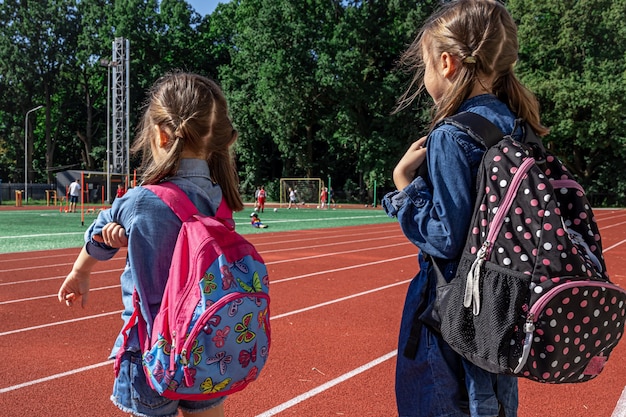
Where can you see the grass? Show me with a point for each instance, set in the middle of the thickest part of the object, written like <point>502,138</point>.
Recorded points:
<point>31,202</point>
<point>29,230</point>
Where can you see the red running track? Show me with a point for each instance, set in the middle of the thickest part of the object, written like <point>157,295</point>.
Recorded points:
<point>337,297</point>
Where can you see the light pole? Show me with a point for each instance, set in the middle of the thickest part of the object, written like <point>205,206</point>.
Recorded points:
<point>106,63</point>
<point>26,152</point>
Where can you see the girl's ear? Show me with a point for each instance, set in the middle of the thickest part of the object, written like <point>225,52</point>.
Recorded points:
<point>162,138</point>
<point>448,65</point>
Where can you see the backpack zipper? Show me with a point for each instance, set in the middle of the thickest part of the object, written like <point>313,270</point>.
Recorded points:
<point>185,353</point>
<point>540,304</point>
<point>472,287</point>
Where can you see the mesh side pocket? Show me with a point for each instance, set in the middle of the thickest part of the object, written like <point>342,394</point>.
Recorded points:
<point>485,339</point>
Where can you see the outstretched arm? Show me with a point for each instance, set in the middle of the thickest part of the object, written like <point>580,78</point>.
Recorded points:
<point>76,284</point>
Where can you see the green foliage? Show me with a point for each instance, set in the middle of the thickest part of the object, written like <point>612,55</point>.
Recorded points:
<point>573,55</point>
<point>311,84</point>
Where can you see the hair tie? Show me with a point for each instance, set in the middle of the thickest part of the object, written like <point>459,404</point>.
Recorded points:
<point>469,60</point>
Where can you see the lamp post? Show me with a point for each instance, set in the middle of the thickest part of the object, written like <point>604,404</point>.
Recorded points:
<point>26,152</point>
<point>106,63</point>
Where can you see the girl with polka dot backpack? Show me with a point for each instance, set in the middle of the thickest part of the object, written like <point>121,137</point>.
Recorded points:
<point>531,296</point>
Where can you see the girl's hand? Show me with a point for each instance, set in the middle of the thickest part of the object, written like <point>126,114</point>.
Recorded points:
<point>112,235</point>
<point>76,284</point>
<point>405,170</point>
<point>75,288</point>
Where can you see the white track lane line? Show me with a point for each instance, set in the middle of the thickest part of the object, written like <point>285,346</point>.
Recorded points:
<point>338,300</point>
<point>327,385</point>
<point>30,281</point>
<point>614,246</point>
<point>267,263</point>
<point>612,225</point>
<point>620,408</point>
<point>263,253</point>
<point>41,297</point>
<point>56,376</point>
<point>324,255</point>
<point>57,323</point>
<point>96,316</point>
<point>326,245</point>
<point>97,365</point>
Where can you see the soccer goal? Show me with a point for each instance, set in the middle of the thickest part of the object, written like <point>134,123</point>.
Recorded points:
<point>307,190</point>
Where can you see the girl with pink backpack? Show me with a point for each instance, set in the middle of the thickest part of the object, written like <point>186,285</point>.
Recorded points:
<point>185,138</point>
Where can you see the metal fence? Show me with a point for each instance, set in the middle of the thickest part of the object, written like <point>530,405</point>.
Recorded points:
<point>35,191</point>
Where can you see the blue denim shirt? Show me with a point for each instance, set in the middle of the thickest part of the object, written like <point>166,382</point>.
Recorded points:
<point>437,220</point>
<point>152,229</point>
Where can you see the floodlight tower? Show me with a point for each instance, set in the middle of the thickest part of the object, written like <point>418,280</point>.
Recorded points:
<point>121,107</point>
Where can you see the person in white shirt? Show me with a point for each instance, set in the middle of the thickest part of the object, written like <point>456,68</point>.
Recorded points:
<point>74,194</point>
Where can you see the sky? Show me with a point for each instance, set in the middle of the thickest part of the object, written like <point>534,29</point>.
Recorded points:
<point>205,7</point>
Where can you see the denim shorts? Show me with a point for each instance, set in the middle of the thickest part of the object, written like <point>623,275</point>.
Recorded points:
<point>132,393</point>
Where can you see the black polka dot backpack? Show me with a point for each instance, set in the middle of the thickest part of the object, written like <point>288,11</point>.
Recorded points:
<point>532,296</point>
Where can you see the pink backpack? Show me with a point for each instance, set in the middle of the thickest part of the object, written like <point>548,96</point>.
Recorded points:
<point>211,336</point>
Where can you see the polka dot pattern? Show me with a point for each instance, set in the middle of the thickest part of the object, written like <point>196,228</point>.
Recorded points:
<point>544,228</point>
<point>576,328</point>
<point>550,227</point>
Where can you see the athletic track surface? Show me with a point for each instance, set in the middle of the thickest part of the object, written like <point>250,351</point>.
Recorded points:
<point>337,296</point>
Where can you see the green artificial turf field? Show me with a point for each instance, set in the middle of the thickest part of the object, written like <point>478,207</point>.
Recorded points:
<point>28,230</point>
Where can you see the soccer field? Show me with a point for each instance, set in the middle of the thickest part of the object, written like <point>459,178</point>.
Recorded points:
<point>28,230</point>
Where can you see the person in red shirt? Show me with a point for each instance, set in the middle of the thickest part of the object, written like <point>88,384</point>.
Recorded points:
<point>261,199</point>
<point>120,191</point>
<point>324,197</point>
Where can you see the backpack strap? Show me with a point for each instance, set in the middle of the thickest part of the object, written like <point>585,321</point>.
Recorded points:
<point>476,126</point>
<point>183,207</point>
<point>135,319</point>
<point>486,134</point>
<point>425,313</point>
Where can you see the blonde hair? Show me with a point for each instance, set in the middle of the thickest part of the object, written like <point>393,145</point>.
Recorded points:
<point>192,111</point>
<point>483,36</point>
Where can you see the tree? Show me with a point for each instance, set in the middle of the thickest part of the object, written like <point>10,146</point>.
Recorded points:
<point>177,35</point>
<point>573,55</point>
<point>312,84</point>
<point>35,41</point>
<point>89,79</point>
<point>363,70</point>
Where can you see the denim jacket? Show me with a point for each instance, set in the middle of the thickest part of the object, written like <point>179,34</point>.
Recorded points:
<point>436,220</point>
<point>151,228</point>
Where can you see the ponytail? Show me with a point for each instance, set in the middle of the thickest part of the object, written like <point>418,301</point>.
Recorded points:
<point>520,100</point>
<point>192,111</point>
<point>482,35</point>
<point>223,172</point>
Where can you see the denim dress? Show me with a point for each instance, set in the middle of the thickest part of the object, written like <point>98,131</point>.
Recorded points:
<point>151,227</point>
<point>436,220</point>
